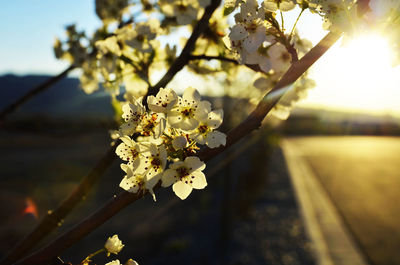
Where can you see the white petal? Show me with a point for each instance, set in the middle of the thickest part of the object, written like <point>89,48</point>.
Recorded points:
<point>188,124</point>
<point>253,41</point>
<point>160,127</point>
<point>199,180</point>
<point>152,102</point>
<point>168,178</point>
<point>127,140</point>
<point>253,58</point>
<point>238,32</point>
<point>129,184</point>
<point>194,163</point>
<point>265,64</point>
<point>198,137</point>
<point>191,94</point>
<point>152,178</point>
<point>270,6</point>
<point>125,167</point>
<point>128,128</point>
<point>123,151</point>
<point>215,139</point>
<point>286,5</point>
<point>182,190</point>
<point>215,118</point>
<point>177,164</point>
<point>179,142</point>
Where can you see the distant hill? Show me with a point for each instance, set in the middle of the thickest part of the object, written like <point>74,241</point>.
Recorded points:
<point>63,100</point>
<point>303,121</point>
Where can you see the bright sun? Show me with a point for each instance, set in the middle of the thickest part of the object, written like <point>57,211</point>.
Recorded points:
<point>357,76</point>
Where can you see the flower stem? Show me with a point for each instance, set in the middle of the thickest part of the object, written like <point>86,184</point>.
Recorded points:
<point>87,259</point>
<point>295,24</point>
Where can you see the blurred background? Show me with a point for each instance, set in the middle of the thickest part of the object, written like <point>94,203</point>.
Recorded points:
<point>346,132</point>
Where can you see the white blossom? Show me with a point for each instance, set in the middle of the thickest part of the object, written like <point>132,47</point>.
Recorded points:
<point>185,11</point>
<point>108,45</point>
<point>185,176</point>
<point>133,181</point>
<point>129,151</point>
<point>188,111</point>
<point>280,58</point>
<point>152,124</point>
<point>282,5</point>
<point>163,101</point>
<point>205,134</point>
<point>153,165</point>
<point>132,114</point>
<point>111,10</point>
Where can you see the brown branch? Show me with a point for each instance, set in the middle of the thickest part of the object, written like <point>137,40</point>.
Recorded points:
<point>206,57</point>
<point>51,220</point>
<point>183,58</point>
<point>33,92</point>
<point>253,122</point>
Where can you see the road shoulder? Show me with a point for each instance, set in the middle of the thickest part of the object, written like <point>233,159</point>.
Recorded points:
<point>332,242</point>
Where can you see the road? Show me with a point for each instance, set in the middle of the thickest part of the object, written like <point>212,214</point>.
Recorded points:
<point>362,178</point>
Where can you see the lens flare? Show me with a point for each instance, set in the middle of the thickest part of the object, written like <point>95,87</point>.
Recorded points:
<point>357,75</point>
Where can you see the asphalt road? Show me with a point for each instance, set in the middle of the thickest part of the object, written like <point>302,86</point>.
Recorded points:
<point>362,177</point>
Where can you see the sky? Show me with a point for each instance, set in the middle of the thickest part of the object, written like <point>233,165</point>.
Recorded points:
<point>29,28</point>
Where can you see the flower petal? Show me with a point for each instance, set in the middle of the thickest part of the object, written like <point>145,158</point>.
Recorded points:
<point>215,139</point>
<point>168,178</point>
<point>182,190</point>
<point>215,118</point>
<point>238,32</point>
<point>194,163</point>
<point>199,180</point>
<point>191,94</point>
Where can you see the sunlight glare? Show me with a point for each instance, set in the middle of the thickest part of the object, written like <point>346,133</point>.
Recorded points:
<point>357,76</point>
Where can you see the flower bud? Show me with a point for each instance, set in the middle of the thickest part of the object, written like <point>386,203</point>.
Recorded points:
<point>131,262</point>
<point>113,245</point>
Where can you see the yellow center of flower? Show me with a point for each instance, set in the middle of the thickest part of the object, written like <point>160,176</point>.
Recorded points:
<point>203,129</point>
<point>187,112</point>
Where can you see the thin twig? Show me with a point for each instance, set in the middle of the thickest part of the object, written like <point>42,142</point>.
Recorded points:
<point>31,93</point>
<point>253,122</point>
<point>183,58</point>
<point>206,57</point>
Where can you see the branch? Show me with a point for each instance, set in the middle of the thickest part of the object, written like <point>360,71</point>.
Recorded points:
<point>51,220</point>
<point>183,58</point>
<point>49,223</point>
<point>252,122</point>
<point>31,93</point>
<point>206,57</point>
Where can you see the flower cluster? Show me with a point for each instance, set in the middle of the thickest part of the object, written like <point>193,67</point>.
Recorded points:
<point>337,14</point>
<point>111,10</point>
<point>184,11</point>
<point>257,38</point>
<point>167,136</point>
